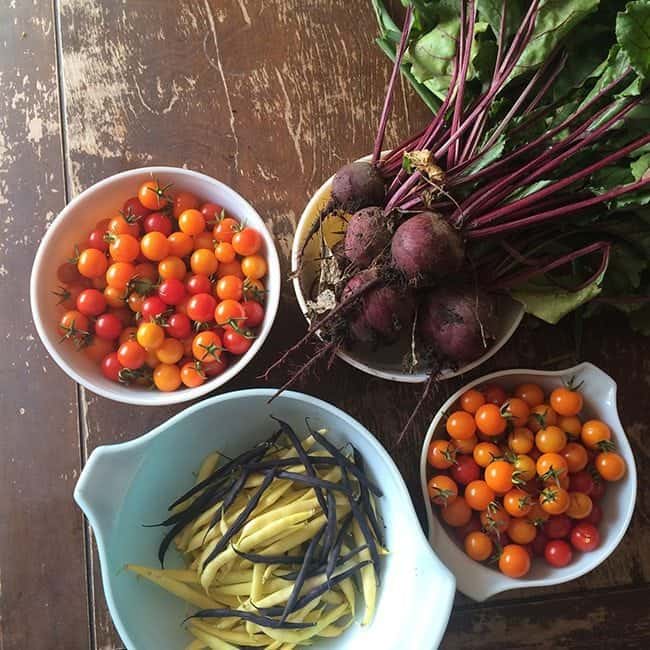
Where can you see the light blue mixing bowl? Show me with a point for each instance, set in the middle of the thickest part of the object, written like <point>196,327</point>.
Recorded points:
<point>124,486</point>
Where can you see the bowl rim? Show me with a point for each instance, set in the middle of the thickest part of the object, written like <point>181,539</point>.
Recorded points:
<point>408,378</point>
<point>154,398</point>
<point>501,583</point>
<point>140,443</point>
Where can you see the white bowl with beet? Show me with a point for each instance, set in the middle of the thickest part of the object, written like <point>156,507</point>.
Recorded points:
<point>72,225</point>
<point>480,581</point>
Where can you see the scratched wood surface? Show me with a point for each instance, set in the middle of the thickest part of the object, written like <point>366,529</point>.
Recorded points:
<point>270,96</point>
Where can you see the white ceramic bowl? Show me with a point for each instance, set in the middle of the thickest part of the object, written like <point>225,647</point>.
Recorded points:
<point>123,486</point>
<point>479,581</point>
<point>385,362</point>
<point>78,218</point>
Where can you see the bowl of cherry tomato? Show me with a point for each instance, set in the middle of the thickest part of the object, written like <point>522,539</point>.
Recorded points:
<point>528,479</point>
<point>155,286</point>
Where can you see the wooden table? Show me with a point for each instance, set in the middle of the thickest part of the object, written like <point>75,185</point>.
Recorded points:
<point>269,96</point>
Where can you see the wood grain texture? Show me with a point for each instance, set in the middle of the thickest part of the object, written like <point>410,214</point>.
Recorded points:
<point>43,600</point>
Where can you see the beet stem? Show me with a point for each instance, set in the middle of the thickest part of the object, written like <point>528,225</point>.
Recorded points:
<point>425,393</point>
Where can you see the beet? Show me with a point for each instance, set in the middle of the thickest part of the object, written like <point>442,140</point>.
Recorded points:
<point>427,246</point>
<point>380,314</point>
<point>358,185</point>
<point>366,236</point>
<point>457,323</point>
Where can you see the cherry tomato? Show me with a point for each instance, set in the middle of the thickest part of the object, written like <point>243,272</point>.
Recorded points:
<point>124,225</point>
<point>158,222</point>
<point>134,209</point>
<point>172,267</point>
<point>539,544</point>
<point>537,515</point>
<point>465,470</point>
<point>114,297</point>
<point>111,367</point>
<point>184,201</point>
<point>152,307</point>
<point>551,465</point>
<point>135,302</point>
<point>580,505</point>
<point>498,475</point>
<point>225,229</point>
<point>172,291</point>
<point>561,481</point>
<point>541,416</point>
<point>179,326</point>
<point>254,313</point>
<point>495,520</point>
<point>253,290</point>
<point>464,446</point>
<point>246,241</point>
<point>127,334</point>
<point>254,267</point>
<point>485,452</point>
<point>532,394</point>
<point>598,490</point>
<point>610,465</point>
<point>558,526</point>
<point>212,211</point>
<point>154,246</point>
<point>521,440</point>
<point>96,240</point>
<point>203,262</point>
<point>200,307</point>
<point>576,457</point>
<point>224,252</point>
<point>180,244</point>
<point>150,336</point>
<point>585,537</point>
<point>96,349</point>
<point>550,439</point>
<point>119,274</point>
<point>92,263</point>
<point>478,546</point>
<point>494,394</point>
<point>521,531</point>
<point>489,420</point>
<point>91,302</point>
<point>516,410</point>
<point>196,284</point>
<point>571,424</point>
<point>191,222</point>
<point>153,195</point>
<point>145,271</point>
<point>215,368</point>
<point>514,561</point>
<point>124,248</point>
<point>441,454</point>
<point>472,526</point>
<point>167,377</point>
<point>131,355</point>
<point>471,400</point>
<point>558,553</point>
<point>237,342</point>
<point>229,313</point>
<point>517,503</point>
<point>231,268</point>
<point>67,273</point>
<point>456,513</point>
<point>108,326</point>
<point>594,434</point>
<point>525,468</point>
<point>204,240</point>
<point>460,425</point>
<point>206,346</point>
<point>581,481</point>
<point>192,374</point>
<point>565,401</point>
<point>554,499</point>
<point>74,324</point>
<point>169,351</point>
<point>595,515</point>
<point>479,495</point>
<point>441,489</point>
<point>229,287</point>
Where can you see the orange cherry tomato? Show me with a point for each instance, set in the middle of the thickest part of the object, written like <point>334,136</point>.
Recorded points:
<point>229,312</point>
<point>485,452</point>
<point>521,440</point>
<point>517,503</point>
<point>494,394</point>
<point>525,468</point>
<point>566,401</point>
<point>460,425</point>
<point>516,410</point>
<point>114,297</point>
<point>594,433</point>
<point>224,252</point>
<point>191,222</point>
<point>466,446</point>
<point>230,268</point>
<point>170,351</point>
<point>254,267</point>
<point>135,302</point>
<point>551,439</point>
<point>456,513</point>
<point>154,246</point>
<point>576,457</point>
<point>192,374</point>
<point>442,489</point>
<point>521,531</point>
<point>184,201</point>
<point>225,229</point>
<point>489,420</point>
<point>495,520</point>
<point>150,336</point>
<point>180,244</point>
<point>478,546</point>
<point>551,465</point>
<point>124,248</point>
<point>119,274</point>
<point>206,346</point>
<point>204,240</point>
<point>554,499</point>
<point>172,267</point>
<point>151,359</point>
<point>514,561</point>
<point>498,475</point>
<point>254,290</point>
<point>246,241</point>
<point>229,287</point>
<point>121,225</point>
<point>203,262</point>
<point>471,400</point>
<point>131,355</point>
<point>532,394</point>
<point>167,377</point>
<point>541,416</point>
<point>580,505</point>
<point>92,263</point>
<point>479,495</point>
<point>153,195</point>
<point>537,515</point>
<point>442,454</point>
<point>610,465</point>
<point>570,424</point>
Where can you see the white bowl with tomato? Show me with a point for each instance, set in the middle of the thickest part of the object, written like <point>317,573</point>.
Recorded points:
<point>155,286</point>
<point>528,479</point>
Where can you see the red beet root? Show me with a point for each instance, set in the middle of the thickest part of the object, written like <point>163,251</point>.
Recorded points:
<point>366,236</point>
<point>358,185</point>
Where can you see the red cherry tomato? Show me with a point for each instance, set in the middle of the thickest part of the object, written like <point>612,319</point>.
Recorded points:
<point>225,229</point>
<point>581,481</point>
<point>133,207</point>
<point>111,367</point>
<point>246,241</point>
<point>557,526</point>
<point>215,368</point>
<point>131,355</point>
<point>172,291</point>
<point>108,326</point>
<point>558,553</point>
<point>237,342</point>
<point>595,516</point>
<point>184,201</point>
<point>598,491</point>
<point>494,394</point>
<point>465,470</point>
<point>151,307</point>
<point>585,537</point>
<point>96,240</point>
<point>91,302</point>
<point>539,544</point>
<point>179,326</point>
<point>158,222</point>
<point>200,307</point>
<point>198,284</point>
<point>254,313</point>
<point>211,211</point>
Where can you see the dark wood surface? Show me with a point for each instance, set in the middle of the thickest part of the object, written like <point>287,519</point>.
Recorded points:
<point>270,96</point>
